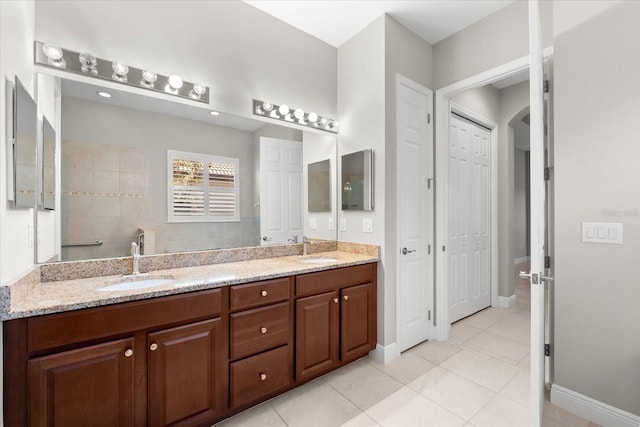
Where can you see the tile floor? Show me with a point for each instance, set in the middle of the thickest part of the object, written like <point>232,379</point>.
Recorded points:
<point>480,377</point>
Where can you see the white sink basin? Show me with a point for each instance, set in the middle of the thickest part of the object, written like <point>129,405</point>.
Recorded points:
<point>134,284</point>
<point>318,260</point>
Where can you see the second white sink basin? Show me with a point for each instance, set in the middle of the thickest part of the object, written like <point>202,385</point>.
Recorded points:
<point>318,260</point>
<point>134,284</point>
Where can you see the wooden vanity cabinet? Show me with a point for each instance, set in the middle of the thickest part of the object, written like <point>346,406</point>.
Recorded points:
<point>91,384</point>
<point>335,318</point>
<point>260,341</point>
<point>184,383</point>
<point>190,359</point>
<point>153,362</point>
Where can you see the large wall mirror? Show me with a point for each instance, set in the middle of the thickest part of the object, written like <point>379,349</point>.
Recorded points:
<point>118,184</point>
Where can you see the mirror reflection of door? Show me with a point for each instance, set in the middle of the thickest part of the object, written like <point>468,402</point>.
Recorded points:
<point>280,191</point>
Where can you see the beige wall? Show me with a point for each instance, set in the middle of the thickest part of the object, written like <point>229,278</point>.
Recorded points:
<point>236,49</point>
<point>597,173</point>
<point>493,41</point>
<point>361,108</point>
<point>520,203</point>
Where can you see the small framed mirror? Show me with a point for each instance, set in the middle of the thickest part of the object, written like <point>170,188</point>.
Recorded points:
<point>48,197</point>
<point>319,186</point>
<point>25,127</point>
<point>357,181</point>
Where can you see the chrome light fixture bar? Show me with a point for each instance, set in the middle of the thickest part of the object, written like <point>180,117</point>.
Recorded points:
<point>53,56</point>
<point>297,116</point>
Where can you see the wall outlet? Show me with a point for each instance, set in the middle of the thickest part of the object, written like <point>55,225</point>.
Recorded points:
<point>367,225</point>
<point>343,224</point>
<point>331,225</point>
<point>313,223</point>
<point>602,232</point>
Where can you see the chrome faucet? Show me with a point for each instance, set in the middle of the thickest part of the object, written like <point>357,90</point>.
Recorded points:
<point>135,255</point>
<point>305,243</point>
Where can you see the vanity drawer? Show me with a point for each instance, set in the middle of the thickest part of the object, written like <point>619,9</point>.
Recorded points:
<point>56,330</point>
<point>259,376</point>
<point>253,331</point>
<point>323,281</point>
<point>259,293</point>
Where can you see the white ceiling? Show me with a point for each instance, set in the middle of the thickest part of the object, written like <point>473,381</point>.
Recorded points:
<point>336,21</point>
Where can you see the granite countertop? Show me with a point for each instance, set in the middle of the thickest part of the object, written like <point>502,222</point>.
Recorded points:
<point>34,299</point>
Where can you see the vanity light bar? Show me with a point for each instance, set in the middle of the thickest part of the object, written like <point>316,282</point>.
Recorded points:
<point>297,116</point>
<point>85,63</point>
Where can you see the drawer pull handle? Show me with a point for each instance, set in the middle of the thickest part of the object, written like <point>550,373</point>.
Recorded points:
<point>346,297</point>
<point>263,377</point>
<point>128,353</point>
<point>335,300</point>
<point>263,330</point>
<point>153,347</point>
<point>263,293</point>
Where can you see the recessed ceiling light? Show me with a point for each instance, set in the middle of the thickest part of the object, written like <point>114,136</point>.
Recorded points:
<point>214,113</point>
<point>104,94</point>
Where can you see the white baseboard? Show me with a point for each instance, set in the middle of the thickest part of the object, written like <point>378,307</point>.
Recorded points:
<point>507,302</point>
<point>592,409</point>
<point>521,259</point>
<point>385,354</point>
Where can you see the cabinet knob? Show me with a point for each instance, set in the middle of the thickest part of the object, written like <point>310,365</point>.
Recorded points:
<point>335,300</point>
<point>263,293</point>
<point>263,330</point>
<point>128,353</point>
<point>153,347</point>
<point>263,377</point>
<point>346,297</point>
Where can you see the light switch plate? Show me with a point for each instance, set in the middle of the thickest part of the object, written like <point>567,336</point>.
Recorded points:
<point>367,225</point>
<point>331,225</point>
<point>313,223</point>
<point>602,232</point>
<point>343,224</point>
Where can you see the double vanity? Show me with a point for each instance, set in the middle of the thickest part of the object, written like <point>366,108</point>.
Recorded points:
<point>182,346</point>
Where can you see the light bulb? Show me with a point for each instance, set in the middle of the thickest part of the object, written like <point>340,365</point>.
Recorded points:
<point>266,106</point>
<point>283,110</point>
<point>175,81</point>
<point>88,62</point>
<point>54,55</point>
<point>299,113</point>
<point>197,91</point>
<point>312,117</point>
<point>148,78</point>
<point>259,110</point>
<point>323,121</point>
<point>120,71</point>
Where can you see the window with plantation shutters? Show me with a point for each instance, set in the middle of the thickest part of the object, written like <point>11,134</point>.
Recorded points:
<point>202,188</point>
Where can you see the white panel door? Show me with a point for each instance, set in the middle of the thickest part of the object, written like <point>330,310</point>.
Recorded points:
<point>415,283</point>
<point>280,191</point>
<point>470,218</point>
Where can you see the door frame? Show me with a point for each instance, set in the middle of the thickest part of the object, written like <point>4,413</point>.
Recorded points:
<point>493,239</point>
<point>404,81</point>
<point>442,114</point>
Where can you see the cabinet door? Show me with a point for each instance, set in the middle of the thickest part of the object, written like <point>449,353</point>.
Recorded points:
<point>357,321</point>
<point>88,386</point>
<point>317,332</point>
<point>185,374</point>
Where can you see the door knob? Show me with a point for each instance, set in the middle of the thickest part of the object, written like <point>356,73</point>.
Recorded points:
<point>263,330</point>
<point>525,275</point>
<point>153,347</point>
<point>407,251</point>
<point>263,293</point>
<point>335,300</point>
<point>128,353</point>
